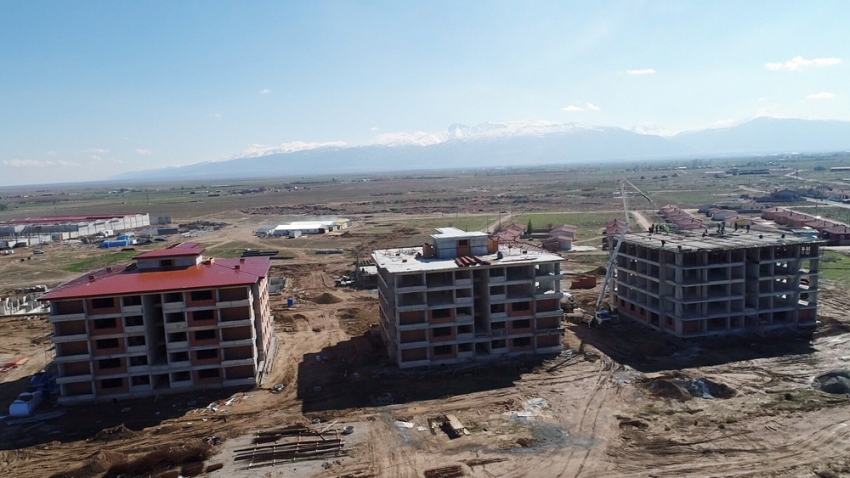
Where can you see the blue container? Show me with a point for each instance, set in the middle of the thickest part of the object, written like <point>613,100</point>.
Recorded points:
<point>290,302</point>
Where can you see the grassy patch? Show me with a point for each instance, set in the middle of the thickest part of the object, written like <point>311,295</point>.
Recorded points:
<point>835,266</point>
<point>464,223</point>
<point>99,262</point>
<point>588,224</point>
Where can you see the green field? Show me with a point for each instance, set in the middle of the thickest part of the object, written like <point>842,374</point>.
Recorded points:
<point>465,223</point>
<point>588,224</point>
<point>835,266</point>
<point>99,262</point>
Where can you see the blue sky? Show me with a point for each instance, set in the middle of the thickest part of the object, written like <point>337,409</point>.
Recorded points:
<point>91,89</point>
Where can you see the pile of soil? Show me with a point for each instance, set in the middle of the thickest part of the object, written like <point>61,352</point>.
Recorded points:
<point>115,433</point>
<point>96,464</point>
<point>835,381</point>
<point>667,388</point>
<point>327,298</point>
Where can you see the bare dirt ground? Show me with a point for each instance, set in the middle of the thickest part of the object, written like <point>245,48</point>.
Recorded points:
<point>609,408</point>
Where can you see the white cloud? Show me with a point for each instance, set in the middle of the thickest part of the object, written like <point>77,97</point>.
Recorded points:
<point>823,95</point>
<point>799,62</point>
<point>143,152</point>
<point>95,157</point>
<point>573,108</point>
<point>375,128</point>
<point>263,150</point>
<point>592,107</point>
<point>51,153</point>
<point>265,91</point>
<point>33,163</point>
<point>96,151</point>
<point>644,71</point>
<point>214,115</point>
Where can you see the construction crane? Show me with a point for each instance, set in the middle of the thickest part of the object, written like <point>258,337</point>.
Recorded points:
<point>602,315</point>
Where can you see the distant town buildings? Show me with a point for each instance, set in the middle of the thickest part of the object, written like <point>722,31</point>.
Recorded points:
<point>38,230</point>
<point>464,297</point>
<point>171,321</point>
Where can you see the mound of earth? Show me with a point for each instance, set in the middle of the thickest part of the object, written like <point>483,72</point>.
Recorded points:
<point>835,381</point>
<point>115,433</point>
<point>664,387</point>
<point>683,388</point>
<point>327,298</point>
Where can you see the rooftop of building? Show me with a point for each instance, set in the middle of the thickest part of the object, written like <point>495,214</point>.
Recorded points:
<point>409,259</point>
<point>69,219</point>
<point>130,280</point>
<point>453,232</point>
<point>692,242</point>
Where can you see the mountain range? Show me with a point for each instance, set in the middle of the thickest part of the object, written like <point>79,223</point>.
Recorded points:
<point>523,143</point>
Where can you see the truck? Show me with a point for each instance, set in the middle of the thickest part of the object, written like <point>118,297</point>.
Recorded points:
<point>600,318</point>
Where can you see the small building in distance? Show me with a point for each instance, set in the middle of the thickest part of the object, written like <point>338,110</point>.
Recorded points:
<point>691,286</point>
<point>172,321</point>
<point>465,297</point>
<point>298,228</point>
<point>560,238</point>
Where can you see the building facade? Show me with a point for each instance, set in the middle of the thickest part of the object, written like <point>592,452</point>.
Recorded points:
<point>463,297</point>
<point>693,285</point>
<point>171,321</point>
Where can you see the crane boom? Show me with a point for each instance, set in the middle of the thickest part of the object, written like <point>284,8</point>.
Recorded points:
<point>612,262</point>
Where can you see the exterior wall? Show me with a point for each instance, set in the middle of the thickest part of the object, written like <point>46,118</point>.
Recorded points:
<point>459,314</point>
<point>691,294</point>
<point>161,343</point>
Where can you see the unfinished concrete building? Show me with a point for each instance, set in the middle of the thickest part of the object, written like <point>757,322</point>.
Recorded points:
<point>463,297</point>
<point>695,285</point>
<point>171,321</point>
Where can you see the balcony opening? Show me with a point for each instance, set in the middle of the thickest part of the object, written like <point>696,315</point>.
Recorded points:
<point>442,332</point>
<point>464,329</point>
<point>208,373</point>
<point>205,334</point>
<point>443,350</point>
<point>497,308</point>
<point>175,317</point>
<point>136,341</point>
<point>103,303</point>
<point>175,357</point>
<point>203,315</point>
<point>134,321</point>
<point>173,297</point>
<point>140,380</point>
<point>181,377</point>
<point>201,295</point>
<point>441,314</point>
<point>111,383</point>
<point>176,337</point>
<point>106,364</point>
<point>105,323</point>
<point>497,325</point>
<point>206,354</point>
<point>498,344</point>
<point>131,300</point>
<point>106,344</point>
<point>138,360</point>
<point>231,295</point>
<point>522,324</point>
<point>467,347</point>
<point>521,342</point>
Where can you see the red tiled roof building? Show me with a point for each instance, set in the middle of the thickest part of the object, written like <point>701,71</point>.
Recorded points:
<point>171,321</point>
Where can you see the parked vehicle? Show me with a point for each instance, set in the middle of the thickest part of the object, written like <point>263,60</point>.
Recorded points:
<point>26,403</point>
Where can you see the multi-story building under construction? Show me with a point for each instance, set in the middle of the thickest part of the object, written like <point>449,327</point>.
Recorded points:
<point>171,321</point>
<point>465,297</point>
<point>697,285</point>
